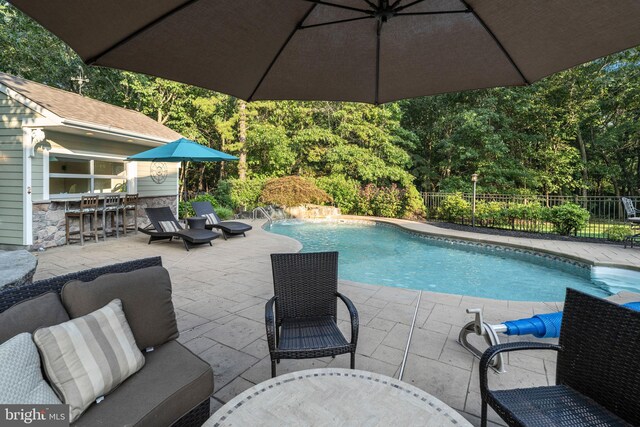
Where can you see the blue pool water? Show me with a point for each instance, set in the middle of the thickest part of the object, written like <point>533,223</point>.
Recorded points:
<point>386,255</point>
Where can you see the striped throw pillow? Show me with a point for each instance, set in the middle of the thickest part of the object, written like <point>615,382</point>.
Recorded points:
<point>89,356</point>
<point>211,218</point>
<point>168,226</point>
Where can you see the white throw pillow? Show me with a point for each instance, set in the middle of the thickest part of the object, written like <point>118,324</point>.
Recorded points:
<point>89,356</point>
<point>21,380</point>
<point>168,226</point>
<point>211,218</point>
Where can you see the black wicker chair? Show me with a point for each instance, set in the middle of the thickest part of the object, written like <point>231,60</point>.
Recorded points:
<point>198,415</point>
<point>597,376</point>
<point>306,302</point>
<point>189,237</point>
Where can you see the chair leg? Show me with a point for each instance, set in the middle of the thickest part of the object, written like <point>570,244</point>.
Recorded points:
<point>81,230</point>
<point>483,415</point>
<point>104,225</point>
<point>66,228</point>
<point>95,223</point>
<point>186,245</point>
<point>353,360</point>
<point>273,368</point>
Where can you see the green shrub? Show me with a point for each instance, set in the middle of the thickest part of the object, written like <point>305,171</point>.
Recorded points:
<point>343,190</point>
<point>568,218</point>
<point>293,191</point>
<point>489,213</point>
<point>222,193</point>
<point>454,208</point>
<point>387,201</point>
<point>413,204</point>
<point>224,213</point>
<point>618,233</point>
<point>364,202</point>
<point>185,210</point>
<point>206,198</point>
<point>522,211</point>
<point>238,194</point>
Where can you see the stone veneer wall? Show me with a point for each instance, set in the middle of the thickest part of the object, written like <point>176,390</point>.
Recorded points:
<point>49,221</point>
<point>312,212</point>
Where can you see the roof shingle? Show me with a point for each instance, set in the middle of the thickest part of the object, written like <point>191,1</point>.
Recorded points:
<point>72,106</point>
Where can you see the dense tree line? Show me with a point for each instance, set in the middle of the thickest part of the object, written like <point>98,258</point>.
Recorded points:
<point>576,132</point>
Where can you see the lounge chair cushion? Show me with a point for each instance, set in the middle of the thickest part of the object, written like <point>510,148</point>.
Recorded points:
<point>172,382</point>
<point>211,218</point>
<point>87,357</point>
<point>233,227</point>
<point>22,380</point>
<point>146,300</point>
<point>27,316</point>
<point>168,226</point>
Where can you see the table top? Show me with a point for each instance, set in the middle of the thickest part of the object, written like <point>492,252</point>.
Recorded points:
<point>335,397</point>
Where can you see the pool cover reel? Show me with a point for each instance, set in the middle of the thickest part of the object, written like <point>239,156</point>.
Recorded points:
<point>540,326</point>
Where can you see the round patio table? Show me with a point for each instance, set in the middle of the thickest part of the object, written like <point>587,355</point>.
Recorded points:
<point>335,397</point>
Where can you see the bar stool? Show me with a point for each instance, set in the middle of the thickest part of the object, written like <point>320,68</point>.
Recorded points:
<point>130,205</point>
<point>88,208</point>
<point>112,207</point>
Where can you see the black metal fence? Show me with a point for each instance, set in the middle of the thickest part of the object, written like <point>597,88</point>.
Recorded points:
<point>605,211</point>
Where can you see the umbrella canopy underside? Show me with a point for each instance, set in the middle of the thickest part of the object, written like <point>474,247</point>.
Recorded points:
<point>372,51</point>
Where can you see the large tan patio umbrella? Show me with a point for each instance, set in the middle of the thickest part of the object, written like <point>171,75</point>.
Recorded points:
<point>350,50</point>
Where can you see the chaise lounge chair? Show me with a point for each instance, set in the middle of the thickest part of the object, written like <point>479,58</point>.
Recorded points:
<point>165,226</point>
<point>633,218</point>
<point>228,228</point>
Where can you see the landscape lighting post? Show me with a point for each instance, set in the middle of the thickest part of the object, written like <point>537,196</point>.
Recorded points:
<point>474,179</point>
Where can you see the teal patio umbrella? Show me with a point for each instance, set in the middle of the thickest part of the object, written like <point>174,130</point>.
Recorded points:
<point>182,150</point>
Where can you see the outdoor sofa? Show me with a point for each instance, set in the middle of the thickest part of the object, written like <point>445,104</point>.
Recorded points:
<point>228,228</point>
<point>172,388</point>
<point>165,226</point>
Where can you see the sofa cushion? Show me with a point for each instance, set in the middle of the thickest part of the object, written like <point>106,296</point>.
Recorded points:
<point>172,382</point>
<point>146,301</point>
<point>22,381</point>
<point>87,357</point>
<point>27,316</point>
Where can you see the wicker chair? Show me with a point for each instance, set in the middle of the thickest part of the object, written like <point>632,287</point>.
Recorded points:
<point>597,376</point>
<point>306,299</point>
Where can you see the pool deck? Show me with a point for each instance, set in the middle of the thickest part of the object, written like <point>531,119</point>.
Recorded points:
<point>220,292</point>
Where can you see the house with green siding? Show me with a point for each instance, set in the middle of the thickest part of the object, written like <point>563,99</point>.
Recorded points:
<point>57,145</point>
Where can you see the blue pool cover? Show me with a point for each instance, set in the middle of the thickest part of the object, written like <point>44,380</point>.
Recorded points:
<point>545,325</point>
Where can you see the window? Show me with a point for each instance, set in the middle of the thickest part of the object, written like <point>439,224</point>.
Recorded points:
<point>69,175</point>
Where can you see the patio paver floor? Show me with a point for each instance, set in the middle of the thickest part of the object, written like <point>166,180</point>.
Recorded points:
<point>220,292</point>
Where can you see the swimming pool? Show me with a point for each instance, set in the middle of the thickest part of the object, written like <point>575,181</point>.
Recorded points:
<point>386,255</point>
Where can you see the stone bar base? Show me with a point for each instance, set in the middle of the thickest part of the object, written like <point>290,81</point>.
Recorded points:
<point>49,220</point>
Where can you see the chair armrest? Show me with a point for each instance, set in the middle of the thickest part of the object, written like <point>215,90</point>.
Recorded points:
<point>270,323</point>
<point>353,314</point>
<point>494,350</point>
